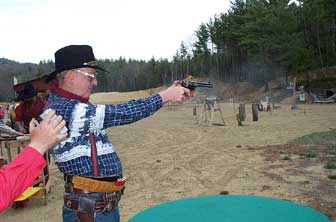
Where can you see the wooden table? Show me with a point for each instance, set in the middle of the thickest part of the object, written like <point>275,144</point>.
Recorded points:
<point>13,147</point>
<point>10,145</point>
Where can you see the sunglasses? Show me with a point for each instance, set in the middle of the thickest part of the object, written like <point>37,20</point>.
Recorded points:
<point>92,76</point>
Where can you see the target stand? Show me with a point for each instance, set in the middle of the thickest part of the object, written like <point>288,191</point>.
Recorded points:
<point>210,107</point>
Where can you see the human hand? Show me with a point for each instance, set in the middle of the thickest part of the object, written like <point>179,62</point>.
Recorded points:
<point>176,93</point>
<point>19,133</point>
<point>22,130</point>
<point>46,134</point>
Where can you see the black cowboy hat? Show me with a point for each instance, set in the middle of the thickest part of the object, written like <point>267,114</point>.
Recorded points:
<point>73,57</point>
<point>28,92</point>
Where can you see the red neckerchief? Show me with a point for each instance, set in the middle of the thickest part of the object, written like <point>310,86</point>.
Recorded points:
<point>61,92</point>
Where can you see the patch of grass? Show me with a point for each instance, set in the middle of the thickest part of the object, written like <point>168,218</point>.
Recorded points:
<point>327,137</point>
<point>330,165</point>
<point>276,106</point>
<point>309,154</point>
<point>287,158</point>
<point>332,149</point>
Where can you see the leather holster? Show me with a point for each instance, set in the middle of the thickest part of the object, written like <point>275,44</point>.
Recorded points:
<point>86,209</point>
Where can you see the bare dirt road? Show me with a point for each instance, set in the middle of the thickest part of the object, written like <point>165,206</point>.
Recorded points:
<point>169,156</point>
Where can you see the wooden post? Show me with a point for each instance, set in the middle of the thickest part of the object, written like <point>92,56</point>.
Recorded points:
<point>292,87</point>
<point>1,151</point>
<point>242,112</point>
<point>194,111</point>
<point>2,161</point>
<point>255,111</point>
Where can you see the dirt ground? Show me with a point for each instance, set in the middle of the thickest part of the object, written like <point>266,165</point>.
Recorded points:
<point>169,156</point>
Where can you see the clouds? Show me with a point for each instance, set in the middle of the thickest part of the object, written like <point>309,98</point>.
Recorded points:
<point>34,30</point>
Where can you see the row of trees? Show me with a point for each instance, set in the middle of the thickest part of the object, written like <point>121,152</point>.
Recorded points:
<point>256,40</point>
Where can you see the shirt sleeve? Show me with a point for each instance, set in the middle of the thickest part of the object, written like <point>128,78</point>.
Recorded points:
<point>132,111</point>
<point>18,113</point>
<point>6,129</point>
<point>18,175</point>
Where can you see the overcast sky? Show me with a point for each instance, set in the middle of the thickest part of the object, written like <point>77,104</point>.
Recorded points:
<point>33,30</point>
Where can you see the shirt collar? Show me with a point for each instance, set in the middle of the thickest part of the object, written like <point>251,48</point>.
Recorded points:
<point>66,94</point>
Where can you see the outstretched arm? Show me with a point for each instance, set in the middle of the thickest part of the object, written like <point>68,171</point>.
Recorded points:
<point>135,110</point>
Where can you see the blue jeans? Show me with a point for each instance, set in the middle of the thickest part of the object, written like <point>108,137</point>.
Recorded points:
<point>70,215</point>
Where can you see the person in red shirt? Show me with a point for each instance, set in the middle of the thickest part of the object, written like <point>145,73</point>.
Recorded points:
<point>2,114</point>
<point>18,175</point>
<point>30,107</point>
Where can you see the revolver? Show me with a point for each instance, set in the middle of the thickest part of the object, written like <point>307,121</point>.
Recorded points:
<point>191,84</point>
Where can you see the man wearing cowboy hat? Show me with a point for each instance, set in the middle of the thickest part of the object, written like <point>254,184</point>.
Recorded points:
<point>92,169</point>
<point>30,107</point>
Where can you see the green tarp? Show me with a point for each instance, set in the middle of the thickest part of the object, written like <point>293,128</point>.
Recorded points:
<point>229,208</point>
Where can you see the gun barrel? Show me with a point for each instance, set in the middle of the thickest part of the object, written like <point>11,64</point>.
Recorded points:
<point>190,84</point>
<point>203,84</point>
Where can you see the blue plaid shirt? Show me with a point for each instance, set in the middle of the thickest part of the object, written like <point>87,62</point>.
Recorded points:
<point>73,155</point>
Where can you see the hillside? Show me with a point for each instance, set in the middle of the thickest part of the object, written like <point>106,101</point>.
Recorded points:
<point>313,80</point>
<point>7,61</point>
<point>22,71</point>
<point>241,92</point>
